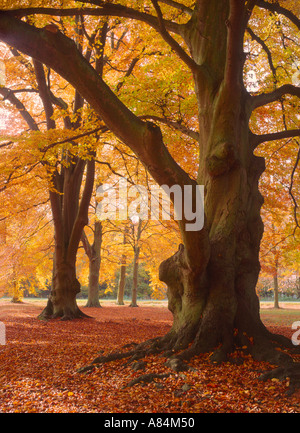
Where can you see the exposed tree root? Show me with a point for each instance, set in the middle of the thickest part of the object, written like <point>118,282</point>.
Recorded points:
<point>263,349</point>
<point>292,373</point>
<point>112,357</point>
<point>146,378</point>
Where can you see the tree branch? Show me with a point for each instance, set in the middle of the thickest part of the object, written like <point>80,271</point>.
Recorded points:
<point>144,138</point>
<point>10,96</point>
<point>258,139</point>
<point>276,7</point>
<point>105,9</point>
<point>178,6</point>
<point>86,245</point>
<point>171,41</point>
<point>44,93</point>
<point>13,176</point>
<point>82,216</point>
<point>8,143</point>
<point>75,137</point>
<point>176,125</point>
<point>274,246</point>
<point>291,188</point>
<point>128,72</point>
<point>235,24</point>
<point>265,48</point>
<point>267,98</point>
<point>113,171</point>
<point>60,53</point>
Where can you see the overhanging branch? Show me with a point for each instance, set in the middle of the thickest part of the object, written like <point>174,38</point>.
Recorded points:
<point>105,9</point>
<point>60,53</point>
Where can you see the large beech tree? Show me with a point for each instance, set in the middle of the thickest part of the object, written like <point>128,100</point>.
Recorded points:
<point>211,279</point>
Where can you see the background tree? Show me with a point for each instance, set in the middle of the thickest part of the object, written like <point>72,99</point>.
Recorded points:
<point>122,278</point>
<point>64,169</point>
<point>93,251</point>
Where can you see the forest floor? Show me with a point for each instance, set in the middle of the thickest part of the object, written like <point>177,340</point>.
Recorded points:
<point>39,363</point>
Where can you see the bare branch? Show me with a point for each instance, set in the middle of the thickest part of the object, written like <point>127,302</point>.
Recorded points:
<point>11,176</point>
<point>274,246</point>
<point>128,72</point>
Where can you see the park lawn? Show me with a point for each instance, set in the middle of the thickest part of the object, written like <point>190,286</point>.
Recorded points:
<point>39,364</point>
<point>280,317</point>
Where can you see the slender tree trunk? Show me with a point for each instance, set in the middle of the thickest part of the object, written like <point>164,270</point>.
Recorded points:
<point>135,277</point>
<point>275,282</point>
<point>122,281</point>
<point>137,236</point>
<point>94,255</point>
<point>298,286</point>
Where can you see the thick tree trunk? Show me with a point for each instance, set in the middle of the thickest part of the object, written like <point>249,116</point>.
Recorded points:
<point>62,300</point>
<point>216,306</point>
<point>69,216</point>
